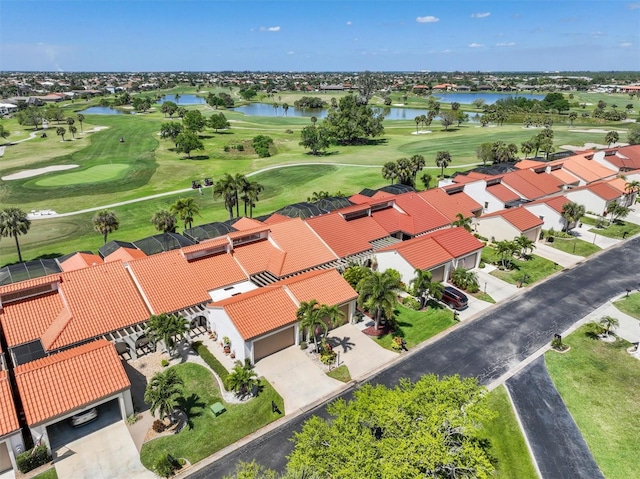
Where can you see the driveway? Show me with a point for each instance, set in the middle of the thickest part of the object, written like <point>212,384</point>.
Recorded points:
<point>106,453</point>
<point>566,260</point>
<point>297,378</point>
<point>496,288</point>
<point>487,348</point>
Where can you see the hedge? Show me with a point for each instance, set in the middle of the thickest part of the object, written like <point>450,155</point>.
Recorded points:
<point>36,457</point>
<point>211,361</point>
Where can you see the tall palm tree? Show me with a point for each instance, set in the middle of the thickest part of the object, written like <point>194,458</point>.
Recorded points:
<point>377,293</point>
<point>443,158</point>
<point>285,107</point>
<point>611,137</point>
<point>418,120</point>
<point>571,213</point>
<point>462,222</point>
<point>240,183</point>
<point>163,391</point>
<point>166,327</point>
<point>105,222</point>
<point>61,132</point>
<point>506,250</point>
<point>14,222</point>
<point>390,171</point>
<point>81,119</point>
<point>424,286</point>
<point>73,130</point>
<point>225,188</point>
<point>250,195</point>
<point>309,319</point>
<point>426,180</point>
<point>164,221</point>
<point>631,188</point>
<point>185,209</point>
<point>417,164</point>
<point>241,379</point>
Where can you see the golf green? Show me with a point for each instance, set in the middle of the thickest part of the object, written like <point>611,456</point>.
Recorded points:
<point>95,174</point>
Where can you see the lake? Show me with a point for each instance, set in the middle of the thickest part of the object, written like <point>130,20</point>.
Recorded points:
<point>186,99</point>
<point>103,110</point>
<point>489,98</point>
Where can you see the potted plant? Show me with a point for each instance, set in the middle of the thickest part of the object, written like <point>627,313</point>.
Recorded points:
<point>226,344</point>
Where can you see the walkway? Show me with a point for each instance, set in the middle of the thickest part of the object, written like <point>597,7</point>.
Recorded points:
<point>496,288</point>
<point>566,260</point>
<point>557,444</point>
<point>629,328</point>
<point>583,233</point>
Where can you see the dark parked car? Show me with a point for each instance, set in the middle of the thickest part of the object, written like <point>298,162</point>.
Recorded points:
<point>84,417</point>
<point>454,298</point>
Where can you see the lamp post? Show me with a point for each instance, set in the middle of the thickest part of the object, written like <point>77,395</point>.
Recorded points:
<point>485,287</point>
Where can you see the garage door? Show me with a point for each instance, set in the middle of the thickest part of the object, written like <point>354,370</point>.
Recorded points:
<point>274,343</point>
<point>5,460</point>
<point>438,274</point>
<point>468,262</point>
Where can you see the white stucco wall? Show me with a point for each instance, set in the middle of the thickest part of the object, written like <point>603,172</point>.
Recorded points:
<point>15,446</point>
<point>478,191</point>
<point>591,201</point>
<point>221,323</point>
<point>497,228</point>
<point>551,218</point>
<point>394,260</point>
<point>228,291</point>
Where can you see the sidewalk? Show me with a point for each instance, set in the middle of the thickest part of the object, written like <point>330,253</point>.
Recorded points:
<point>566,260</point>
<point>583,233</point>
<point>629,328</point>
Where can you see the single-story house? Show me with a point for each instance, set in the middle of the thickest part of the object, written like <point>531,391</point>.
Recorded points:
<point>549,210</point>
<point>595,197</point>
<point>509,224</point>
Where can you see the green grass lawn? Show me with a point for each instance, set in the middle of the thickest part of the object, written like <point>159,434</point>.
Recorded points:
<point>574,246</point>
<point>508,446</point>
<point>535,268</point>
<point>481,295</point>
<point>341,373</point>
<point>48,474</point>
<point>418,326</point>
<point>629,305</point>
<point>208,433</point>
<point>598,382</point>
<point>615,230</point>
<point>94,174</point>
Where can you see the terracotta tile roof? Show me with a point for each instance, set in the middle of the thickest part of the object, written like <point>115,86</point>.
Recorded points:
<point>627,158</point>
<point>80,260</point>
<point>556,203</point>
<point>619,184</point>
<point>462,179</point>
<point>342,236</point>
<point>457,241</point>
<point>247,232</point>
<point>29,283</point>
<point>245,223</point>
<point>27,320</point>
<point>531,185</point>
<point>8,418</point>
<point>420,217</point>
<point>604,191</point>
<point>303,248</point>
<point>171,283</point>
<point>69,380</point>
<point>354,208</point>
<point>276,218</point>
<point>359,199</point>
<point>205,245</point>
<point>422,252</point>
<point>463,200</point>
<point>260,311</point>
<point>566,177</point>
<point>368,228</point>
<point>521,218</point>
<point>529,164</point>
<point>325,286</point>
<point>125,254</point>
<point>445,204</point>
<point>255,257</point>
<point>587,170</point>
<point>503,193</point>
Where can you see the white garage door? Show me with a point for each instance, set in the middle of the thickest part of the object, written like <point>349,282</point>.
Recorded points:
<point>438,273</point>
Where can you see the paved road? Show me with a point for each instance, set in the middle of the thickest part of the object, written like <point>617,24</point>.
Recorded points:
<point>549,426</point>
<point>486,348</point>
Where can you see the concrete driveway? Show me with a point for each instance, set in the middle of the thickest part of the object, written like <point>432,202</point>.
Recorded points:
<point>566,260</point>
<point>297,378</point>
<point>107,453</point>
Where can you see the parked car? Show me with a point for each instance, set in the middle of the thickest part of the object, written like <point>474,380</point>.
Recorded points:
<point>454,298</point>
<point>84,417</point>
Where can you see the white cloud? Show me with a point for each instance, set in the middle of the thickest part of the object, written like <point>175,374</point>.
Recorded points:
<point>480,15</point>
<point>476,45</point>
<point>269,29</point>
<point>505,44</point>
<point>626,44</point>
<point>349,22</point>
<point>427,19</point>
<point>290,53</point>
<point>598,34</point>
<point>634,6</point>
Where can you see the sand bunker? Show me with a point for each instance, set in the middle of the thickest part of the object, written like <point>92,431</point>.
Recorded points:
<point>421,132</point>
<point>37,171</point>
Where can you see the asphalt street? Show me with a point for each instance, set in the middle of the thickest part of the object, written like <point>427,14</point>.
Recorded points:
<point>486,347</point>
<point>549,425</point>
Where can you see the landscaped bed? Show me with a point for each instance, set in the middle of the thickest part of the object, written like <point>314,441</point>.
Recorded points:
<point>598,381</point>
<point>615,230</point>
<point>522,271</point>
<point>417,326</point>
<point>629,305</point>
<point>206,433</point>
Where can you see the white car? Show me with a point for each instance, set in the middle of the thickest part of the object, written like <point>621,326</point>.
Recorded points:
<point>84,417</point>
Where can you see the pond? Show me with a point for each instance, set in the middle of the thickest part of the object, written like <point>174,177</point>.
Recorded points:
<point>489,98</point>
<point>186,99</point>
<point>103,110</point>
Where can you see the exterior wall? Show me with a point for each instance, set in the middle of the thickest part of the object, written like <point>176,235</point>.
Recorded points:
<point>470,261</point>
<point>223,326</point>
<point>591,201</point>
<point>228,291</point>
<point>296,339</point>
<point>533,234</point>
<point>496,228</point>
<point>15,446</point>
<point>551,218</point>
<point>478,191</point>
<point>393,259</point>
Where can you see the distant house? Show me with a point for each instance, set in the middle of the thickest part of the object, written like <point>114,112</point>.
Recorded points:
<point>509,224</point>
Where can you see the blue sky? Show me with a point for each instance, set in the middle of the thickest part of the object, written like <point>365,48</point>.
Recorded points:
<point>319,35</point>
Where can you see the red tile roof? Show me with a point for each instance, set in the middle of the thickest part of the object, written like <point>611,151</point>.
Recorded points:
<point>566,177</point>
<point>463,200</point>
<point>245,223</point>
<point>529,164</point>
<point>587,170</point>
<point>521,218</point>
<point>125,254</point>
<point>171,283</point>
<point>29,283</point>
<point>556,202</point>
<point>255,257</point>
<point>368,228</point>
<point>422,252</point>
<point>325,286</point>
<point>354,208</point>
<point>416,216</point>
<point>342,236</point>
<point>72,379</point>
<point>503,193</point>
<point>619,184</point>
<point>445,204</point>
<point>457,241</point>
<point>627,158</point>
<point>276,218</point>
<point>8,418</point>
<point>206,245</point>
<point>531,185</point>
<point>80,260</point>
<point>359,199</point>
<point>604,191</point>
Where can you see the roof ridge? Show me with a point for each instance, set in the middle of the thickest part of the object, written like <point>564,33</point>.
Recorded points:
<point>52,359</point>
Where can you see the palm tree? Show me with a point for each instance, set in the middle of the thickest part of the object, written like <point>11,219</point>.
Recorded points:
<point>165,327</point>
<point>164,221</point>
<point>176,97</point>
<point>73,130</point>
<point>241,379</point>
<point>426,180</point>
<point>250,194</point>
<point>163,391</point>
<point>390,171</point>
<point>275,107</point>
<point>506,250</point>
<point>417,163</point>
<point>571,213</point>
<point>14,222</point>
<point>61,132</point>
<point>424,287</point>
<point>377,293</point>
<point>185,209</point>
<point>524,244</point>
<point>462,222</point>
<point>611,137</point>
<point>81,119</point>
<point>240,183</point>
<point>418,120</point>
<point>225,188</point>
<point>443,158</point>
<point>285,107</point>
<point>608,323</point>
<point>526,147</point>
<point>464,279</point>
<point>105,222</point>
<point>631,188</point>
<point>309,319</point>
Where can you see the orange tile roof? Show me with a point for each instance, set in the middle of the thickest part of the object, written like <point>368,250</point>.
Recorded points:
<point>245,223</point>
<point>340,235</point>
<point>354,208</point>
<point>206,245</point>
<point>604,191</point>
<point>531,185</point>
<point>247,232</point>
<point>529,164</point>
<point>80,260</point>
<point>125,254</point>
<point>359,199</point>
<point>463,200</point>
<point>420,216</point>
<point>8,418</point>
<point>445,204</point>
<point>422,252</point>
<point>556,202</point>
<point>368,228</point>
<point>588,170</point>
<point>619,184</point>
<point>69,380</point>
<point>302,248</point>
<point>564,176</point>
<point>260,311</point>
<point>503,193</point>
<point>29,283</point>
<point>26,320</point>
<point>171,283</point>
<point>457,241</point>
<point>521,218</point>
<point>255,257</point>
<point>325,286</point>
<point>276,218</point>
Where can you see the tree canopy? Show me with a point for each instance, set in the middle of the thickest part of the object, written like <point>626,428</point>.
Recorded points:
<point>352,123</point>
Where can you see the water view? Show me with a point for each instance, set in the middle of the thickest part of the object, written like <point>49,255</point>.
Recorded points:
<point>186,99</point>
<point>489,98</point>
<point>103,110</point>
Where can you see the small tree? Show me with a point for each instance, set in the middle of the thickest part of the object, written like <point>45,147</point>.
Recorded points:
<point>164,221</point>
<point>241,379</point>
<point>14,222</point>
<point>462,222</point>
<point>608,323</point>
<point>443,158</point>
<point>105,222</point>
<point>61,132</point>
<point>163,391</point>
<point>187,141</point>
<point>464,279</point>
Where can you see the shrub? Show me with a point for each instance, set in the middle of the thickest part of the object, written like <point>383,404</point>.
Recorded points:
<point>303,345</point>
<point>227,148</point>
<point>397,344</point>
<point>261,144</point>
<point>158,426</point>
<point>163,466</point>
<point>211,360</point>
<point>240,147</point>
<point>482,264</point>
<point>132,419</point>
<point>36,457</point>
<point>289,131</point>
<point>558,345</point>
<point>164,363</point>
<point>411,303</point>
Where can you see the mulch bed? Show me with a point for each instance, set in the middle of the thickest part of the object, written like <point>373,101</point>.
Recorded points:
<point>381,331</point>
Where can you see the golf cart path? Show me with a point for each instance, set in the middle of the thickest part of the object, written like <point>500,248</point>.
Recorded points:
<point>185,190</point>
